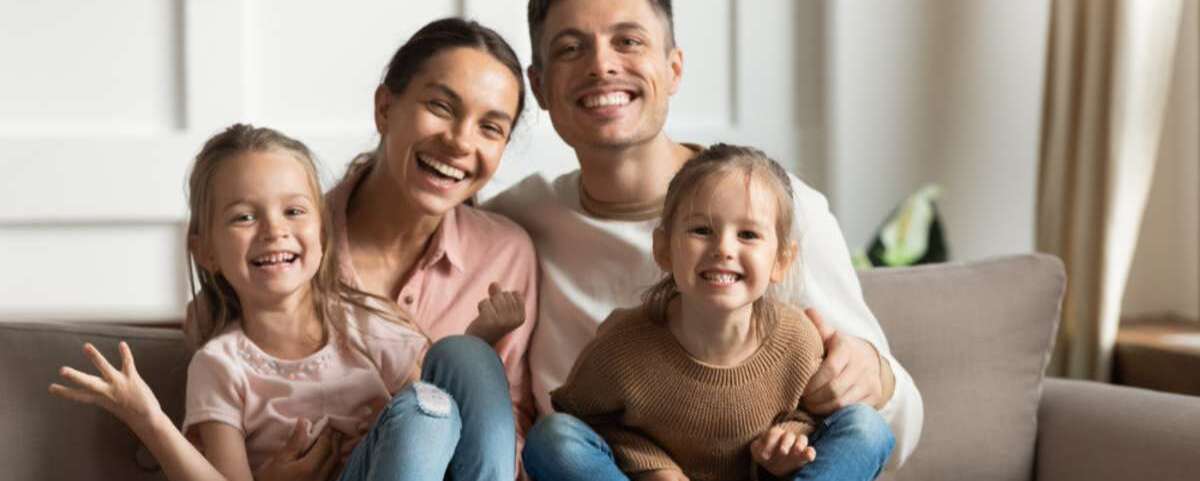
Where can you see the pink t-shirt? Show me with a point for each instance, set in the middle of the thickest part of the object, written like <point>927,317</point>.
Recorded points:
<point>470,249</point>
<point>232,381</point>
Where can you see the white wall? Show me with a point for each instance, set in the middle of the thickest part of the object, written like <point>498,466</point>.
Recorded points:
<point>941,91</point>
<point>102,105</point>
<point>1165,275</point>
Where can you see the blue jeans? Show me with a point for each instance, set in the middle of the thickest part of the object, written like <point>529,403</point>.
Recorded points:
<point>852,444</point>
<point>457,423</point>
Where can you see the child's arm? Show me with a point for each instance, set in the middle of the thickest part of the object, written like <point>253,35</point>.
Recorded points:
<point>124,394</point>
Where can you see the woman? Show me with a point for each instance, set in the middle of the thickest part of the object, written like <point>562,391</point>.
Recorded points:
<point>448,104</point>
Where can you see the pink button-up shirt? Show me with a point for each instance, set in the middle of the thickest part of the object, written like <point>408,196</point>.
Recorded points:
<point>469,250</point>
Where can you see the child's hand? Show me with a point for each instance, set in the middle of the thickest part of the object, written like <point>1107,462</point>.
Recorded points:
<point>499,314</point>
<point>661,475</point>
<point>122,393</point>
<point>782,452</point>
<point>300,462</point>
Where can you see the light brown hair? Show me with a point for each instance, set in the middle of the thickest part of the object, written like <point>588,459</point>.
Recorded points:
<point>215,304</point>
<point>709,166</point>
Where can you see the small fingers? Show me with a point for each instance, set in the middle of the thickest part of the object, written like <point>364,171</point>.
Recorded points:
<point>770,442</point>
<point>85,380</point>
<point>785,444</point>
<point>127,365</point>
<point>106,369</point>
<point>73,394</point>
<point>493,289</point>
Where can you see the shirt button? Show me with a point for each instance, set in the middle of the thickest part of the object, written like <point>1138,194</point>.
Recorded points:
<point>408,299</point>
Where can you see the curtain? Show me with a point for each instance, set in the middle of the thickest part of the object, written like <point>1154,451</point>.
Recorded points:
<point>1108,74</point>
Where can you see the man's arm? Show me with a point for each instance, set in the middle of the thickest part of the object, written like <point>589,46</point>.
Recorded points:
<point>825,280</point>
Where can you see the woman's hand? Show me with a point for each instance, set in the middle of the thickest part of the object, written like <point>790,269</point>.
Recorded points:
<point>781,452</point>
<point>121,392</point>
<point>499,314</point>
<point>661,475</point>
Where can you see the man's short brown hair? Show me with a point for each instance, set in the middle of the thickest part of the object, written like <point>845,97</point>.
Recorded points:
<point>538,9</point>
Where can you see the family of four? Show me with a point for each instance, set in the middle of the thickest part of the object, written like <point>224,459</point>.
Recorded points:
<point>637,318</point>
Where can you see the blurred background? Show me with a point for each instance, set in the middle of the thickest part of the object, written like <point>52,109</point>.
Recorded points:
<point>1069,127</point>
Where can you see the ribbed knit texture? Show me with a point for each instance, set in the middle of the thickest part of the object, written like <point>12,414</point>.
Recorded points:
<point>659,408</point>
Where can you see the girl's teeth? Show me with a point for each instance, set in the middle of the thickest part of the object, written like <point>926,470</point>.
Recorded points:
<point>721,278</point>
<point>606,100</point>
<point>443,168</point>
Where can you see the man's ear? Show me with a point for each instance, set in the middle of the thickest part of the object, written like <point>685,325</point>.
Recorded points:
<point>383,101</point>
<point>535,85</point>
<point>783,262</point>
<point>202,254</point>
<point>662,250</point>
<point>675,63</point>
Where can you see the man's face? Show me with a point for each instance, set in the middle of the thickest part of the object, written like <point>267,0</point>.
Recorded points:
<point>607,72</point>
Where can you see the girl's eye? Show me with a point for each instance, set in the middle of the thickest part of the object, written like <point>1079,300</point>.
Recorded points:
<point>242,219</point>
<point>294,212</point>
<point>700,230</point>
<point>749,235</point>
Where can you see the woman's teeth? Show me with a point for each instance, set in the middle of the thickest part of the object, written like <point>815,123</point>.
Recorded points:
<point>441,168</point>
<point>606,100</point>
<point>274,258</point>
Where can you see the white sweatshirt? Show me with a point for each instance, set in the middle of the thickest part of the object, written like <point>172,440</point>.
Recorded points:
<point>590,266</point>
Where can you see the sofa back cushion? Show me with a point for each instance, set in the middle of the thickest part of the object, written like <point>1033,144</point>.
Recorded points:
<point>50,438</point>
<point>976,338</point>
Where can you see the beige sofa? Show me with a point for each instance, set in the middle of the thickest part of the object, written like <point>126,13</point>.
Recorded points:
<point>974,336</point>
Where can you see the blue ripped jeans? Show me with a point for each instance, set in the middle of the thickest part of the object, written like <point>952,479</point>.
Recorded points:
<point>852,444</point>
<point>456,423</point>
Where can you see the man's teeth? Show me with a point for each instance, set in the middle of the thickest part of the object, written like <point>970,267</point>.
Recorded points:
<point>606,100</point>
<point>442,168</point>
<point>274,258</point>
<point>720,277</point>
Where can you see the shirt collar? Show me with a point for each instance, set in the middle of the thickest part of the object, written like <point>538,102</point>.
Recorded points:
<point>445,244</point>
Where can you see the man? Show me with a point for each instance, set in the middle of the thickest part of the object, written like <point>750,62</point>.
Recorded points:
<point>605,72</point>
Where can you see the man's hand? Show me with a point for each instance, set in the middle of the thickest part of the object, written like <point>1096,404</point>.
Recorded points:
<point>499,314</point>
<point>298,462</point>
<point>661,475</point>
<point>781,452</point>
<point>850,373</point>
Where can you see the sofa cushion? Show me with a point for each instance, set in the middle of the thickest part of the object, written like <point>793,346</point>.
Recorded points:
<point>51,438</point>
<point>976,338</point>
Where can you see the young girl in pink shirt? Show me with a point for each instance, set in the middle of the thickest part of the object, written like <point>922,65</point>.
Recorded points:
<point>291,358</point>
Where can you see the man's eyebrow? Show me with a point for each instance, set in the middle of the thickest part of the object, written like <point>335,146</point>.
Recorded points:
<point>567,32</point>
<point>626,26</point>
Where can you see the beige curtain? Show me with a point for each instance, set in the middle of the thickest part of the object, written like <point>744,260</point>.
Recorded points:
<point>1108,75</point>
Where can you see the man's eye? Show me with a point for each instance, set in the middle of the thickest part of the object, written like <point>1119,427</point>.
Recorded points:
<point>440,108</point>
<point>565,50</point>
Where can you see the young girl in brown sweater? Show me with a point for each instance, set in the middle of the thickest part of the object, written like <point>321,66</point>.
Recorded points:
<point>703,381</point>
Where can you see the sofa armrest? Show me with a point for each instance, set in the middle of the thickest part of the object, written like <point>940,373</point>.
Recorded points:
<point>1094,431</point>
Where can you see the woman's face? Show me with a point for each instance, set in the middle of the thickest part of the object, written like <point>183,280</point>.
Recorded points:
<point>443,136</point>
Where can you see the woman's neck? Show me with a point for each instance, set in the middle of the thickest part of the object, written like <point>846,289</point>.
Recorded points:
<point>381,219</point>
<point>722,339</point>
<point>288,328</point>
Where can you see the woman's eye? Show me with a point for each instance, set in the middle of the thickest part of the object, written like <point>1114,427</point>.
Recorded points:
<point>440,108</point>
<point>493,129</point>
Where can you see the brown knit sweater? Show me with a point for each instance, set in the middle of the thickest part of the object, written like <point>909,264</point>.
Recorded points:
<point>659,408</point>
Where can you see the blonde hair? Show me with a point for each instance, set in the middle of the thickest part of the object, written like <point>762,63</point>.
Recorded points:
<point>215,304</point>
<point>711,165</point>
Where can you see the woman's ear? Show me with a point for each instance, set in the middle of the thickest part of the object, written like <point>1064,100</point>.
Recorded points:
<point>383,101</point>
<point>783,262</point>
<point>662,249</point>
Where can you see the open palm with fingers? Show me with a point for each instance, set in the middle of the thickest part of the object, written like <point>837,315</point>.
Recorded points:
<point>121,392</point>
